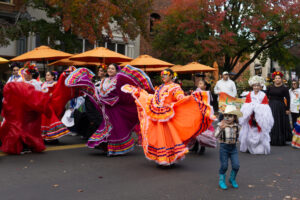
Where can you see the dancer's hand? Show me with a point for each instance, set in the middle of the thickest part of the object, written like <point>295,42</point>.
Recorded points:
<point>287,112</point>
<point>223,124</point>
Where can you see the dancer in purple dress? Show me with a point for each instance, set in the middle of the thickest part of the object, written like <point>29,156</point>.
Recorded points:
<point>118,108</point>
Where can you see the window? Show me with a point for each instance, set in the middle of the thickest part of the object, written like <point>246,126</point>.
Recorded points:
<point>154,17</point>
<point>111,46</point>
<point>6,1</point>
<point>100,44</point>
<point>37,40</point>
<point>21,45</point>
<point>121,48</point>
<point>88,45</point>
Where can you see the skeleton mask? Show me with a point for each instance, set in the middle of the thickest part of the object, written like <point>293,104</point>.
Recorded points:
<point>229,119</point>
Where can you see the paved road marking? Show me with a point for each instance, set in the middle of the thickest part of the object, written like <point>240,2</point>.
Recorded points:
<point>57,148</point>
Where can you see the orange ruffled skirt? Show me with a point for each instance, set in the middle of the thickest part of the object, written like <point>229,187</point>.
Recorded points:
<point>164,140</point>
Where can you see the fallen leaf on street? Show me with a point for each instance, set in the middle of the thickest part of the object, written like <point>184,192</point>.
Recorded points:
<point>100,177</point>
<point>80,190</point>
<point>25,167</point>
<point>277,174</point>
<point>55,185</point>
<point>31,161</point>
<point>251,186</point>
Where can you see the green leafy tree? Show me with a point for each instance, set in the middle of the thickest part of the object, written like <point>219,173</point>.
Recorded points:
<point>229,31</point>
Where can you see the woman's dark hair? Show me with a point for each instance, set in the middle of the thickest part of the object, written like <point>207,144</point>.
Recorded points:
<point>15,64</point>
<point>35,74</point>
<point>54,74</point>
<point>117,67</point>
<point>207,85</point>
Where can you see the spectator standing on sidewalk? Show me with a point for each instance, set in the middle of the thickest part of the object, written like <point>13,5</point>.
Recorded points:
<point>227,86</point>
<point>295,101</point>
<point>15,75</point>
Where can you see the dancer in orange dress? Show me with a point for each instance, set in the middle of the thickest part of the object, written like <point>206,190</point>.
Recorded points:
<point>168,119</point>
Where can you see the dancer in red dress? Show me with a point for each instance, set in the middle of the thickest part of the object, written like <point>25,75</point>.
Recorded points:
<point>23,106</point>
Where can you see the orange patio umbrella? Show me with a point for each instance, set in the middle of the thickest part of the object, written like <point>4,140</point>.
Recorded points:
<point>42,53</point>
<point>123,64</point>
<point>68,62</point>
<point>3,60</point>
<point>146,61</point>
<point>195,67</point>
<point>101,54</point>
<point>158,69</point>
<point>175,68</point>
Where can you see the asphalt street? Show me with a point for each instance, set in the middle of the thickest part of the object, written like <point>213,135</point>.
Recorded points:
<point>70,172</point>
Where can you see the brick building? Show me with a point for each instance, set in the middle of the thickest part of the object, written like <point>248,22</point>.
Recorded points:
<point>157,14</point>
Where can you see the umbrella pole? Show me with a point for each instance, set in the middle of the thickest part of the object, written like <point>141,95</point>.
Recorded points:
<point>44,68</point>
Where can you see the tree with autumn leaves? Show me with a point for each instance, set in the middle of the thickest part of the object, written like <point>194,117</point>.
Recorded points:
<point>94,20</point>
<point>229,31</point>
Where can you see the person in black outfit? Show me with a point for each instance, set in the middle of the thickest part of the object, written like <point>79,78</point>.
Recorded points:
<point>279,101</point>
<point>86,123</point>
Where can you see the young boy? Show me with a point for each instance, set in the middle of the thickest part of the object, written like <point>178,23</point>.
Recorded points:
<point>228,133</point>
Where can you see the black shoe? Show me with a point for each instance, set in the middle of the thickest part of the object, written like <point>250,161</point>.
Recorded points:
<point>201,150</point>
<point>25,150</point>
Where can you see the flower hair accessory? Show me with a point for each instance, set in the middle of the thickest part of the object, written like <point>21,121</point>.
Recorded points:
<point>277,73</point>
<point>103,66</point>
<point>165,72</point>
<point>175,75</point>
<point>30,68</point>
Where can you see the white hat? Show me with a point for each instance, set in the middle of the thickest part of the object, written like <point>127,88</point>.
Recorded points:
<point>67,120</point>
<point>256,80</point>
<point>232,110</point>
<point>225,72</point>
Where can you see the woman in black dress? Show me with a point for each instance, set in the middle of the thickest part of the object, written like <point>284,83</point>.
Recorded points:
<point>279,101</point>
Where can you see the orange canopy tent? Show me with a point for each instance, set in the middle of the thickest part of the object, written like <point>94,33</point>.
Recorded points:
<point>175,68</point>
<point>42,53</point>
<point>195,67</point>
<point>68,62</point>
<point>3,60</point>
<point>101,54</point>
<point>158,69</point>
<point>146,61</point>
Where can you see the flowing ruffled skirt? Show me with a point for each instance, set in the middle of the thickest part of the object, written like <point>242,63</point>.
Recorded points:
<point>165,141</point>
<point>52,127</point>
<point>22,109</point>
<point>116,129</point>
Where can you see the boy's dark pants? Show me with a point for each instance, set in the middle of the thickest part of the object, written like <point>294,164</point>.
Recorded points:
<point>228,151</point>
